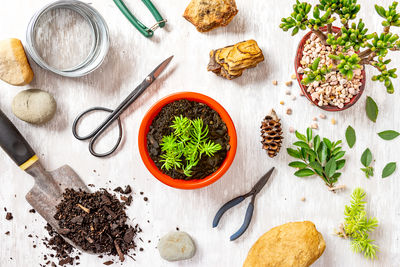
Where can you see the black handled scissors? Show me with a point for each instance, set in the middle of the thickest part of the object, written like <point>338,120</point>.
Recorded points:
<point>249,213</point>
<point>93,136</point>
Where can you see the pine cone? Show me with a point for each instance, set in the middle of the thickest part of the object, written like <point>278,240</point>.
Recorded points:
<point>271,134</point>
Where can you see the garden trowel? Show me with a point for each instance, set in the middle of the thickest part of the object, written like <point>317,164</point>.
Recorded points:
<point>47,191</point>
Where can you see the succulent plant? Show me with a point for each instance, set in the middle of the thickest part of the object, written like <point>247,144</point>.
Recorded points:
<point>371,48</point>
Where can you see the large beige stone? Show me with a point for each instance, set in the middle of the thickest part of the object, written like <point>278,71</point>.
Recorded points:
<point>295,244</point>
<point>14,66</point>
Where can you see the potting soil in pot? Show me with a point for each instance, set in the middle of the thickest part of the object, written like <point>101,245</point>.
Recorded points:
<point>218,133</point>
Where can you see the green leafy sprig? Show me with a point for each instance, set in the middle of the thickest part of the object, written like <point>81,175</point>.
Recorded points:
<point>184,148</point>
<point>358,226</point>
<point>315,73</point>
<point>320,157</point>
<point>366,159</point>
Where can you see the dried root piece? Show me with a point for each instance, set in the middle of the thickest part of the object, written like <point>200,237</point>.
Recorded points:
<point>208,15</point>
<point>230,62</point>
<point>271,134</point>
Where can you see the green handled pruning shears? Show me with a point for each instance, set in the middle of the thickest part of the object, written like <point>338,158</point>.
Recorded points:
<point>147,32</point>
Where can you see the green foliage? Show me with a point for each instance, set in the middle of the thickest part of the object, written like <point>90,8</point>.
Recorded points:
<point>320,157</point>
<point>298,19</point>
<point>388,169</point>
<point>347,64</point>
<point>371,109</point>
<point>184,148</point>
<point>347,10</point>
<point>358,226</point>
<point>381,44</point>
<point>315,73</point>
<point>366,159</point>
<point>392,18</point>
<point>354,37</point>
<point>319,21</point>
<point>388,135</point>
<point>350,136</point>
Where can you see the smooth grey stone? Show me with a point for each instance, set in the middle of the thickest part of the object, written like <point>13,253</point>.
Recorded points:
<point>176,246</point>
<point>34,106</point>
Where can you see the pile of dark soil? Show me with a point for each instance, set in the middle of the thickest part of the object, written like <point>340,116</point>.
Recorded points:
<point>96,222</point>
<point>218,133</point>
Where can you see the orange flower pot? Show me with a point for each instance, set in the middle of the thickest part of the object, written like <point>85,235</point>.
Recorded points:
<point>178,183</point>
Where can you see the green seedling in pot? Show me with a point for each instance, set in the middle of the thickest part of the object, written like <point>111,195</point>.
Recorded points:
<point>372,48</point>
<point>184,148</point>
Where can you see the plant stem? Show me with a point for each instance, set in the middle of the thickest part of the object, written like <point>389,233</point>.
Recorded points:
<point>386,29</point>
<point>365,53</point>
<point>321,36</point>
<point>330,28</point>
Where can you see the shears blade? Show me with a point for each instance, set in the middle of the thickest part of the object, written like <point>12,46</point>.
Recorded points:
<point>157,71</point>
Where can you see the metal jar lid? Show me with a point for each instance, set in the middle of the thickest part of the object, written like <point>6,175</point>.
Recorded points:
<point>99,32</point>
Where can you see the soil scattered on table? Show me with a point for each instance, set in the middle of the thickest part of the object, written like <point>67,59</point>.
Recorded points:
<point>218,133</point>
<point>9,216</point>
<point>96,222</point>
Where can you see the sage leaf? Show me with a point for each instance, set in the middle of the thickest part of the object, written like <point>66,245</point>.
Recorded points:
<point>340,164</point>
<point>309,134</point>
<point>297,164</point>
<point>328,143</point>
<point>330,167</point>
<point>350,136</point>
<point>316,166</point>
<point>293,153</point>
<point>371,109</point>
<point>340,155</point>
<point>302,144</point>
<point>317,141</point>
<point>304,173</point>
<point>388,135</point>
<point>389,169</point>
<point>366,157</point>
<point>300,136</point>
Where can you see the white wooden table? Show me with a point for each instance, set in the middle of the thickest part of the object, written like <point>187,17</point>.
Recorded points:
<point>247,99</point>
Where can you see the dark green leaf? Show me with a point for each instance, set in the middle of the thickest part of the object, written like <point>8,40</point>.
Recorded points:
<point>311,153</point>
<point>389,169</point>
<point>330,167</point>
<point>328,143</point>
<point>371,109</point>
<point>336,150</point>
<point>303,153</point>
<point>309,134</point>
<point>297,164</point>
<point>335,177</point>
<point>388,135</point>
<point>316,166</point>
<point>322,153</point>
<point>340,164</point>
<point>302,144</point>
<point>300,136</point>
<point>340,155</point>
<point>366,157</point>
<point>350,136</point>
<point>293,153</point>
<point>317,141</point>
<point>304,172</point>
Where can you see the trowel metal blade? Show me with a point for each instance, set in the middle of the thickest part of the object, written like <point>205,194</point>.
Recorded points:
<point>47,191</point>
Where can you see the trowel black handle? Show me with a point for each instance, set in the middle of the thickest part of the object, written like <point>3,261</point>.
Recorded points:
<point>13,143</point>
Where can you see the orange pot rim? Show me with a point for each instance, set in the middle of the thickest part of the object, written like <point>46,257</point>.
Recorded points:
<point>178,183</point>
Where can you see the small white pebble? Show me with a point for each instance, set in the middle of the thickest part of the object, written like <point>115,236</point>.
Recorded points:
<point>293,77</point>
<point>289,83</point>
<point>333,121</point>
<point>322,116</point>
<point>293,97</point>
<point>301,93</point>
<point>288,92</point>
<point>314,119</point>
<point>282,103</point>
<point>289,111</point>
<point>275,82</point>
<point>291,130</point>
<point>314,126</point>
<point>303,199</point>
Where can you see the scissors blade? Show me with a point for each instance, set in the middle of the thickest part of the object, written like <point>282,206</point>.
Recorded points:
<point>157,71</point>
<point>263,180</point>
